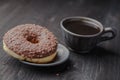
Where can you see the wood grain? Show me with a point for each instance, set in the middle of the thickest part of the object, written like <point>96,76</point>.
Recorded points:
<point>103,63</point>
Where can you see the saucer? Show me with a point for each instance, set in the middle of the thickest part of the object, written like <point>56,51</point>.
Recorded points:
<point>62,56</point>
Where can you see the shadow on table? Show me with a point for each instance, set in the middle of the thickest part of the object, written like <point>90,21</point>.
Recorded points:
<point>50,69</point>
<point>98,51</point>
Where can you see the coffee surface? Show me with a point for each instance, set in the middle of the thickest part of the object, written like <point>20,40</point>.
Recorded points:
<point>81,28</point>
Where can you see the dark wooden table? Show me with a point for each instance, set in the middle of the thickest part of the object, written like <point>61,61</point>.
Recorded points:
<point>103,63</point>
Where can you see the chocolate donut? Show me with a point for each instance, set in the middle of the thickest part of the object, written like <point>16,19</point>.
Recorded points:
<point>30,42</point>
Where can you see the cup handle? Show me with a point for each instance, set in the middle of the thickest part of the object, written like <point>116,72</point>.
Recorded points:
<point>106,31</point>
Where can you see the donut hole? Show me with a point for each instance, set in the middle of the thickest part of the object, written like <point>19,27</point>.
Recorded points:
<point>32,39</point>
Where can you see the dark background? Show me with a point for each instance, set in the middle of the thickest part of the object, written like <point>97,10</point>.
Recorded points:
<point>102,63</point>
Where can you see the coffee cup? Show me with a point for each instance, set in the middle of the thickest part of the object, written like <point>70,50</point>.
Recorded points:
<point>82,34</point>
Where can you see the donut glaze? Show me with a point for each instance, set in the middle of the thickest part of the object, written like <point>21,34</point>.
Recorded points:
<point>31,41</point>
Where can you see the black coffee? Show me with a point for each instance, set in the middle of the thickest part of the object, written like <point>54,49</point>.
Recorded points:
<point>81,28</point>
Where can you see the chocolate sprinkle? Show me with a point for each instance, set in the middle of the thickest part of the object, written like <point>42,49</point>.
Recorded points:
<point>31,41</point>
